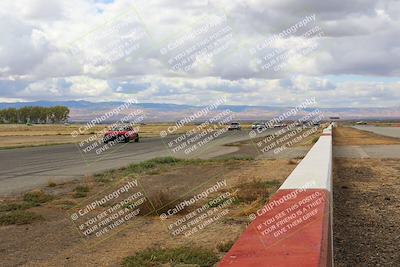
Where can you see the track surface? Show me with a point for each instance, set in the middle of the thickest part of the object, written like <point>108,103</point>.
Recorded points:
<point>387,131</point>
<point>367,151</point>
<point>26,168</point>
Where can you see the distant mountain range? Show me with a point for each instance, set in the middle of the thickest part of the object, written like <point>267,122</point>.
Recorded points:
<point>155,112</point>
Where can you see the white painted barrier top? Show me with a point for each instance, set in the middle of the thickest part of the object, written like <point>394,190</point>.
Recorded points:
<point>315,170</point>
<point>302,244</point>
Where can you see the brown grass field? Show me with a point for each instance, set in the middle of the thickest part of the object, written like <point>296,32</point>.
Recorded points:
<point>17,135</point>
<point>20,135</point>
<point>350,136</point>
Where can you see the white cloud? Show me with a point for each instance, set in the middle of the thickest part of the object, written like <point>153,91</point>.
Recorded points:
<point>359,37</point>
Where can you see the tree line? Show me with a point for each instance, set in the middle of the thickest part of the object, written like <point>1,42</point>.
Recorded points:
<point>57,114</point>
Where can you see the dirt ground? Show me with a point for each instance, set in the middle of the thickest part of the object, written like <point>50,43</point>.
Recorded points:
<point>344,136</point>
<point>366,195</point>
<point>54,241</point>
<point>366,212</point>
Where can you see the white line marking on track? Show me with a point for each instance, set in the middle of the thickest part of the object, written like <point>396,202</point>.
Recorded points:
<point>361,152</point>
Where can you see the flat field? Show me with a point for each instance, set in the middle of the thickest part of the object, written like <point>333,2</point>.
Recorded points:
<point>17,135</point>
<point>349,136</point>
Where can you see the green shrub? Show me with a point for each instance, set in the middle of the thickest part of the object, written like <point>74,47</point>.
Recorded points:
<point>82,188</point>
<point>249,192</point>
<point>81,191</point>
<point>161,201</point>
<point>80,195</point>
<point>18,217</point>
<point>240,157</point>
<point>151,164</point>
<point>15,206</point>
<point>182,255</point>
<point>64,204</point>
<point>225,246</point>
<point>35,198</point>
<point>51,184</point>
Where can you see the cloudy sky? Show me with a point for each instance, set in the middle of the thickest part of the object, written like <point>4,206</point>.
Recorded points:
<point>253,52</point>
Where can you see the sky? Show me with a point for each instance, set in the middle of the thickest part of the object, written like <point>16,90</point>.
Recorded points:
<point>254,52</point>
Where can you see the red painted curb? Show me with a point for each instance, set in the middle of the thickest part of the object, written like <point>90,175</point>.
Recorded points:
<point>291,230</point>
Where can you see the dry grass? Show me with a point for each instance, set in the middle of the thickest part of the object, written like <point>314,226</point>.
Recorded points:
<point>225,246</point>
<point>16,212</point>
<point>41,130</point>
<point>18,217</point>
<point>181,256</point>
<point>147,130</point>
<point>51,183</point>
<point>177,177</point>
<point>37,197</point>
<point>20,135</point>
<point>256,190</point>
<point>32,141</point>
<point>343,136</point>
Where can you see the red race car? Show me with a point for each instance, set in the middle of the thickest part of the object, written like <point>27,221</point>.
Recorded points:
<point>121,134</point>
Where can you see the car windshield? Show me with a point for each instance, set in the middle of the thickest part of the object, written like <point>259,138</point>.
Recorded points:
<point>120,128</point>
<point>234,123</point>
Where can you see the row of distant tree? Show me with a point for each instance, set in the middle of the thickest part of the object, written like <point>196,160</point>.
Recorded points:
<point>57,114</point>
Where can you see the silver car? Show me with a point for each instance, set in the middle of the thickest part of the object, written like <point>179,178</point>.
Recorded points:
<point>234,126</point>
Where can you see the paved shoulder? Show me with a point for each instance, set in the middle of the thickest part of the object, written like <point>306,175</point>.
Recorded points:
<point>368,151</point>
<point>386,131</point>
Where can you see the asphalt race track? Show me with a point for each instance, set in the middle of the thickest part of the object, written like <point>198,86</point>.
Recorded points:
<point>26,168</point>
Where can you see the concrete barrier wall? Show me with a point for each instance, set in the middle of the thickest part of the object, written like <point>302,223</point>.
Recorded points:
<point>295,227</point>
